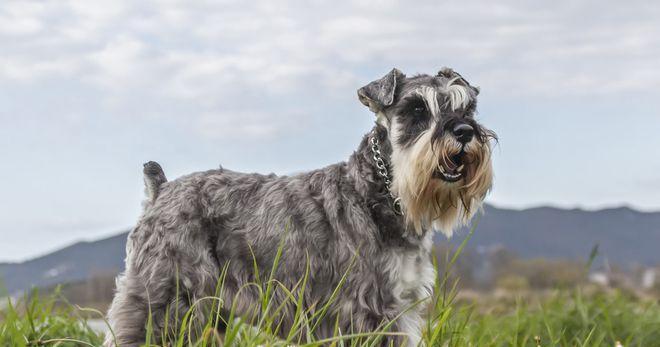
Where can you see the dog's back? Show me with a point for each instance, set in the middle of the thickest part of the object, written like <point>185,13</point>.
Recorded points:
<point>363,226</point>
<point>201,222</point>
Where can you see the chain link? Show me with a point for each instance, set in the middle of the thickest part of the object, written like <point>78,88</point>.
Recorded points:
<point>384,173</point>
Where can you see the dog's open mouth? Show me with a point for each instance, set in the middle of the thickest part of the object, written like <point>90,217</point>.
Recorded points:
<point>451,171</point>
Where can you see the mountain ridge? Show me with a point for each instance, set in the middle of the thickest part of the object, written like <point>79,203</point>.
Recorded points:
<point>625,236</point>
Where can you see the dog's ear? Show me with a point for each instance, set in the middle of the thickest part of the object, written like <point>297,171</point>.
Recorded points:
<point>380,93</point>
<point>449,73</point>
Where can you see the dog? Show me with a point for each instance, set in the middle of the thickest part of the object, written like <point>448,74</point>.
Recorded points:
<point>360,232</point>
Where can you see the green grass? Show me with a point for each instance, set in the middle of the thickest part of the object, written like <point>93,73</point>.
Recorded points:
<point>38,321</point>
<point>572,317</point>
<point>560,319</point>
<point>565,319</point>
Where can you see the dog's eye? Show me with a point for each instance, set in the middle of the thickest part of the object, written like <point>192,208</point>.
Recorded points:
<point>419,109</point>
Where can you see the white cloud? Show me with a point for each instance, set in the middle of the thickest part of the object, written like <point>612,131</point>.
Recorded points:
<point>19,19</point>
<point>107,84</point>
<point>247,124</point>
<point>120,64</point>
<point>184,48</point>
<point>207,58</point>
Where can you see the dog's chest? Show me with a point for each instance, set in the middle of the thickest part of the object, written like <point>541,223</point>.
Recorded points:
<point>411,273</point>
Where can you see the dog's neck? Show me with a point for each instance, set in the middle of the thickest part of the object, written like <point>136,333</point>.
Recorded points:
<point>373,189</point>
<point>368,181</point>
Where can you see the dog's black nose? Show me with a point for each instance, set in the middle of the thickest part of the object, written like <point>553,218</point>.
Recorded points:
<point>463,133</point>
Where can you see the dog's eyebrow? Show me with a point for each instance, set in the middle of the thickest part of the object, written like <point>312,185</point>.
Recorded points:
<point>413,97</point>
<point>430,95</point>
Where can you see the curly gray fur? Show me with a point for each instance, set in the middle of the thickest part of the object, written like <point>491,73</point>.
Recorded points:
<point>202,221</point>
<point>329,222</point>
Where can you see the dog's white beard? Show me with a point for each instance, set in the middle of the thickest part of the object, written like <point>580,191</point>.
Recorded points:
<point>432,203</point>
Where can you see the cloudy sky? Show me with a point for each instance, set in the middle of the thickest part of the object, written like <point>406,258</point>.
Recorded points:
<point>90,90</point>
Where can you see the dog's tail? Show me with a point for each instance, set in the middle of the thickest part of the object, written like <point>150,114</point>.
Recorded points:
<point>154,177</point>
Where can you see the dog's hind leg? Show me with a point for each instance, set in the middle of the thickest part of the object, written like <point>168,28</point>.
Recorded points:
<point>154,177</point>
<point>169,270</point>
<point>156,307</point>
<point>127,314</point>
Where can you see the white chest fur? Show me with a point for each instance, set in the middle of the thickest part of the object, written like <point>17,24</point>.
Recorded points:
<point>412,276</point>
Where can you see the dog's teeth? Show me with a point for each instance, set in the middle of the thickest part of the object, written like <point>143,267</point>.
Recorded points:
<point>460,168</point>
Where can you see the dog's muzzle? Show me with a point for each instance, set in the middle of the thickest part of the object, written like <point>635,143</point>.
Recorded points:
<point>453,170</point>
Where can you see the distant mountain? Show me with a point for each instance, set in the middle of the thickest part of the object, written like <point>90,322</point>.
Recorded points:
<point>77,262</point>
<point>625,237</point>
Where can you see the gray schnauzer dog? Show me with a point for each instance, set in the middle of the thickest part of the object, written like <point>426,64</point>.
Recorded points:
<point>360,230</point>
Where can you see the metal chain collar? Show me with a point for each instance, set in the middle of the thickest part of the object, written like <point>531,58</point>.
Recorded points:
<point>384,173</point>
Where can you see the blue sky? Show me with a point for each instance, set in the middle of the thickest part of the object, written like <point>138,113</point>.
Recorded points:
<point>91,90</point>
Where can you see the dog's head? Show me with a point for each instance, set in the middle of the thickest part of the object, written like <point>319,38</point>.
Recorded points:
<point>441,156</point>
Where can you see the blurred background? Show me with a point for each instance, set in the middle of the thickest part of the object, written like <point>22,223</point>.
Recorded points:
<point>91,90</point>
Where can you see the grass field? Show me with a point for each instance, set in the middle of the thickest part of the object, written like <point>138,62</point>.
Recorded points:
<point>560,319</point>
<point>588,316</point>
